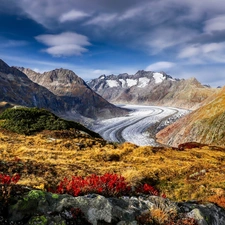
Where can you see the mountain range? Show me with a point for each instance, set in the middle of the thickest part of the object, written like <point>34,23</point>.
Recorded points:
<point>75,93</point>
<point>65,93</point>
<point>151,88</point>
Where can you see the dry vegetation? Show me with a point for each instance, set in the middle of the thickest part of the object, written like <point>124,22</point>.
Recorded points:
<point>47,157</point>
<point>204,125</point>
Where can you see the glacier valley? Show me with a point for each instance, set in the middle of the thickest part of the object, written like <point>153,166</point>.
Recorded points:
<point>139,126</point>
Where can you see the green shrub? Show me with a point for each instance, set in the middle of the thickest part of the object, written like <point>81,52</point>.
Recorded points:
<point>31,120</point>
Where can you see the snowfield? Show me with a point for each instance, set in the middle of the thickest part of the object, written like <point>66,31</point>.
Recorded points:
<point>158,77</point>
<point>133,127</point>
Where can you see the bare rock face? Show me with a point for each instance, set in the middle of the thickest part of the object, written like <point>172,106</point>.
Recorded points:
<point>147,87</point>
<point>204,125</point>
<point>17,89</point>
<point>61,82</point>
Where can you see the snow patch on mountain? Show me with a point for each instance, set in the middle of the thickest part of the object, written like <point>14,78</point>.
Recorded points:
<point>131,82</point>
<point>158,77</point>
<point>112,83</point>
<point>123,82</point>
<point>143,82</point>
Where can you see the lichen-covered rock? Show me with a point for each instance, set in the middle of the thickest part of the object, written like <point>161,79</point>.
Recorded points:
<point>43,208</point>
<point>205,214</point>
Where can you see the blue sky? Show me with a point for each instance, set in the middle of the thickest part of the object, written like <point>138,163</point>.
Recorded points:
<point>184,38</point>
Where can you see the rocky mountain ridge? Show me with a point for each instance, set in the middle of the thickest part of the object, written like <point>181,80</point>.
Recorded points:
<point>74,92</point>
<point>17,89</point>
<point>66,94</point>
<point>61,82</point>
<point>152,88</point>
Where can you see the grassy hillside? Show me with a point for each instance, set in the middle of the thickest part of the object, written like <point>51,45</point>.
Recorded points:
<point>31,120</point>
<point>205,125</point>
<point>46,158</point>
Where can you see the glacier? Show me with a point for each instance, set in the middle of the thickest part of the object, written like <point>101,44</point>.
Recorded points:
<point>133,127</point>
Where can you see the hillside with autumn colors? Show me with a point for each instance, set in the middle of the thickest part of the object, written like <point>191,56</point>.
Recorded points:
<point>45,157</point>
<point>204,125</point>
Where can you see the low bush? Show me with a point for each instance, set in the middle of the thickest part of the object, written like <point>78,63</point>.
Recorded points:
<point>107,185</point>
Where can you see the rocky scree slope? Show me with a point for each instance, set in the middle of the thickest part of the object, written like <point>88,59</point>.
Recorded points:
<point>75,93</point>
<point>204,125</point>
<point>154,88</point>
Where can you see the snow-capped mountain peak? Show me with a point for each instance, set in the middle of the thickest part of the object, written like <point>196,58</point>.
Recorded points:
<point>148,87</point>
<point>141,79</point>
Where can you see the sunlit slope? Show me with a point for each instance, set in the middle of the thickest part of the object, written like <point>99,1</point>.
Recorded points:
<point>46,158</point>
<point>205,125</point>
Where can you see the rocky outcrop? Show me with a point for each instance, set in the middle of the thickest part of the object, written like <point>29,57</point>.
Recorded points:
<point>204,125</point>
<point>38,207</point>
<point>152,88</point>
<point>75,93</point>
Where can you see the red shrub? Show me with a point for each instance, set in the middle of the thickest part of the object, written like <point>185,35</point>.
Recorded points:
<point>6,179</point>
<point>146,189</point>
<point>107,185</point>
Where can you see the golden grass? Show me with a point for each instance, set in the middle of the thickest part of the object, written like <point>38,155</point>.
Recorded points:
<point>181,175</point>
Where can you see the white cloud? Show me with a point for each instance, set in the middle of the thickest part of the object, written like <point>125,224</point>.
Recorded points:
<point>189,51</point>
<point>198,9</point>
<point>103,19</point>
<point>212,47</point>
<point>131,13</point>
<point>159,66</point>
<point>212,52</point>
<point>164,38</point>
<point>65,50</point>
<point>72,15</point>
<point>215,24</point>
<point>64,44</point>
